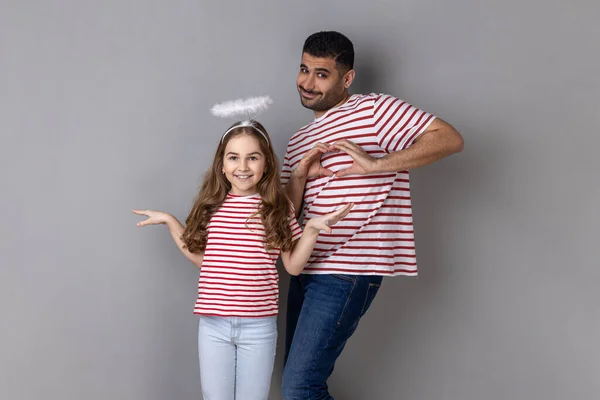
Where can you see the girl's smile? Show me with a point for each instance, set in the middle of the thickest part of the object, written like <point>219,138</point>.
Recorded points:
<point>243,164</point>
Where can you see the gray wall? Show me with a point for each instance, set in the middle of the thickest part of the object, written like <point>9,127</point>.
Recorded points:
<point>104,107</point>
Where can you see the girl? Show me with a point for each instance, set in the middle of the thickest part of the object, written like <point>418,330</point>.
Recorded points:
<point>239,225</point>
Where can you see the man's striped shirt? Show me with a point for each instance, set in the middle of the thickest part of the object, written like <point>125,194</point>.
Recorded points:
<point>377,237</point>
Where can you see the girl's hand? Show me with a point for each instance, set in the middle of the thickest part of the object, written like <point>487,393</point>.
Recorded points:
<point>154,217</point>
<point>324,223</point>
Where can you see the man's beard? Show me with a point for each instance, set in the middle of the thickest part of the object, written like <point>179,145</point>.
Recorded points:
<point>321,102</point>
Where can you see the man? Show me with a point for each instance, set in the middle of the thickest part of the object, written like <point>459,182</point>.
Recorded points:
<point>358,149</point>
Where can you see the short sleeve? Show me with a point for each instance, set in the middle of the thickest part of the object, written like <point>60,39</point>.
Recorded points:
<point>286,169</point>
<point>398,124</point>
<point>294,226</point>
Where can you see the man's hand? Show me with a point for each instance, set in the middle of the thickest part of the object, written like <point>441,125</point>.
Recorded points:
<point>362,164</point>
<point>310,165</point>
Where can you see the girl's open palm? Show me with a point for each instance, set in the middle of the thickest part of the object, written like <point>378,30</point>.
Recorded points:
<point>324,222</point>
<point>154,217</point>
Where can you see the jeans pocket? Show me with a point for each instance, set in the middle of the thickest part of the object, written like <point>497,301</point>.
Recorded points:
<point>347,278</point>
<point>371,293</point>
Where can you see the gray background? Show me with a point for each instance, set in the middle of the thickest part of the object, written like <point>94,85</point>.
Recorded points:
<point>104,106</point>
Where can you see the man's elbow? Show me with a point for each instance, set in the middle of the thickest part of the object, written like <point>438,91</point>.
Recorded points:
<point>454,140</point>
<point>459,143</point>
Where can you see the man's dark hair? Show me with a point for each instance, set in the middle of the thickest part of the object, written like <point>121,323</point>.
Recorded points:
<point>331,44</point>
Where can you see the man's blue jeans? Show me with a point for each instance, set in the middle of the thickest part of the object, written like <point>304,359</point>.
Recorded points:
<point>323,312</point>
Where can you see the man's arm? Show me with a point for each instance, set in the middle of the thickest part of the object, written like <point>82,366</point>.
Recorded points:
<point>295,191</point>
<point>309,167</point>
<point>439,140</point>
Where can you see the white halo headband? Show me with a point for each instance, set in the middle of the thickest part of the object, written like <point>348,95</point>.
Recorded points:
<point>245,124</point>
<point>249,107</point>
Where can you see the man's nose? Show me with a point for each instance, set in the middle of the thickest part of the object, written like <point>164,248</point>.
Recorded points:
<point>309,82</point>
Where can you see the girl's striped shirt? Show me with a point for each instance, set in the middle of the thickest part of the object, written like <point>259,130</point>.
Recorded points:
<point>238,276</point>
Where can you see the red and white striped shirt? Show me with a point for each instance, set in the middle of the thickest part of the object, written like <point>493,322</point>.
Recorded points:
<point>238,277</point>
<point>377,237</point>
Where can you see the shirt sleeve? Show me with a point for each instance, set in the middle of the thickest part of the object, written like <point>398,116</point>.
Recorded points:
<point>398,123</point>
<point>286,169</point>
<point>294,226</point>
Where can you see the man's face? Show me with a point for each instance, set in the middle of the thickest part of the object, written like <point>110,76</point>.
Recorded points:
<point>320,83</point>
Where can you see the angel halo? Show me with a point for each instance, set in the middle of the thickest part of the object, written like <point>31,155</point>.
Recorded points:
<point>249,108</point>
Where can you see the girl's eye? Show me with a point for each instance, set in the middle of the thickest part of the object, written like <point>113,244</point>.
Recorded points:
<point>253,158</point>
<point>232,158</point>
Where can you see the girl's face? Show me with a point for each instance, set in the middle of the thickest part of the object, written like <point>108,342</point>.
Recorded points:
<point>243,164</point>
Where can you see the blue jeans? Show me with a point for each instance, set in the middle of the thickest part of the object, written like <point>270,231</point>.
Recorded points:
<point>236,357</point>
<point>323,312</point>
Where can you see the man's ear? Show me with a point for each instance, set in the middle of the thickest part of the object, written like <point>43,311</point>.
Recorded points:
<point>348,78</point>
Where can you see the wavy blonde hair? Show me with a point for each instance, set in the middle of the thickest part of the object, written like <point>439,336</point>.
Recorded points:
<point>274,210</point>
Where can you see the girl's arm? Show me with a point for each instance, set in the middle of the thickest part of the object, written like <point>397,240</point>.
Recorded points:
<point>295,259</point>
<point>175,228</point>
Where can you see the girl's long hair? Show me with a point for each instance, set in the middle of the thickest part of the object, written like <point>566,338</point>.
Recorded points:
<point>275,209</point>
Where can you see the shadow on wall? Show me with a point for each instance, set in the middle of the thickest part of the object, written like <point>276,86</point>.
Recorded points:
<point>398,341</point>
<point>369,78</point>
